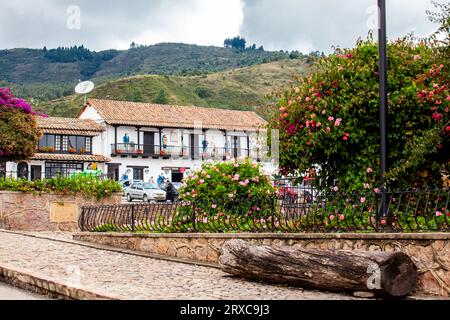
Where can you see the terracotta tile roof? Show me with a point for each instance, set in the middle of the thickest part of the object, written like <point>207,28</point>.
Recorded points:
<point>71,157</point>
<point>69,126</point>
<point>156,115</point>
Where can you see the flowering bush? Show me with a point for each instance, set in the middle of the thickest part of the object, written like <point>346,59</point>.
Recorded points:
<point>220,190</point>
<point>18,128</point>
<point>331,118</point>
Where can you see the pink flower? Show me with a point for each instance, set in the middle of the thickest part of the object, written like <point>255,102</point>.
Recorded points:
<point>330,118</point>
<point>208,176</point>
<point>363,200</point>
<point>214,206</point>
<point>231,195</point>
<point>348,56</point>
<point>417,57</point>
<point>332,217</point>
<point>340,56</point>
<point>308,99</point>
<point>341,217</point>
<point>448,98</point>
<point>376,190</point>
<point>236,165</point>
<point>335,189</point>
<point>435,86</point>
<point>345,138</point>
<point>338,122</point>
<point>205,220</point>
<point>437,116</point>
<point>324,112</point>
<point>319,124</point>
<point>369,170</point>
<point>383,222</point>
<point>283,109</point>
<point>439,214</point>
<point>366,186</point>
<point>328,129</point>
<point>201,181</point>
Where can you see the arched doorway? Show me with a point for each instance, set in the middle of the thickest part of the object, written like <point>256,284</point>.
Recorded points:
<point>22,170</point>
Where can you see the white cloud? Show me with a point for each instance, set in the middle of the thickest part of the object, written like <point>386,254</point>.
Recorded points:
<point>283,24</point>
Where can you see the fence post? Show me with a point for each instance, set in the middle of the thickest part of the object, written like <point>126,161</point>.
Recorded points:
<point>133,218</point>
<point>272,209</point>
<point>194,224</point>
<point>81,220</point>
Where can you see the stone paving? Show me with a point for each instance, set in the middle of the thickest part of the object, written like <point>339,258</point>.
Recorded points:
<point>134,277</point>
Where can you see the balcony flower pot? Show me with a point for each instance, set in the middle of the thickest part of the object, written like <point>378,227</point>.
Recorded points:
<point>72,150</point>
<point>140,152</point>
<point>118,151</point>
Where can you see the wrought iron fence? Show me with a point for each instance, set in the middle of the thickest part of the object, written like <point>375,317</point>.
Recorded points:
<point>408,211</point>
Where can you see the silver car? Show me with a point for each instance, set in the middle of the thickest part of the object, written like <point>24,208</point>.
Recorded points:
<point>146,192</point>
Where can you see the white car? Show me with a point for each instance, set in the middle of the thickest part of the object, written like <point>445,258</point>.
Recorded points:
<point>146,192</point>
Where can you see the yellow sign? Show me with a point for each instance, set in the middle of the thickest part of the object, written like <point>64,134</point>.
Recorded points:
<point>63,212</point>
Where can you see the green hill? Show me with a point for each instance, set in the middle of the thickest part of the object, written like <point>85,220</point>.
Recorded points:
<point>48,74</point>
<point>242,88</point>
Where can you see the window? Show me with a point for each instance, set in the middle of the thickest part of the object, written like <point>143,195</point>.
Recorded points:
<point>89,145</point>
<point>58,143</point>
<point>53,169</point>
<point>48,140</point>
<point>138,174</point>
<point>2,169</point>
<point>65,143</point>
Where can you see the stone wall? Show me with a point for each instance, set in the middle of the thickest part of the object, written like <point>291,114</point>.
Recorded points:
<point>430,251</point>
<point>44,212</point>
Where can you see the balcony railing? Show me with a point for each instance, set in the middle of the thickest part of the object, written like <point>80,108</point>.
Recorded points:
<point>186,152</point>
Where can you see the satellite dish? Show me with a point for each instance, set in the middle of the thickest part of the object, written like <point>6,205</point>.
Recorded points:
<point>84,88</point>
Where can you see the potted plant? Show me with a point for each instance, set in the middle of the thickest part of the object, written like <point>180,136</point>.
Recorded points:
<point>118,151</point>
<point>72,150</point>
<point>51,149</point>
<point>140,152</point>
<point>43,149</point>
<point>82,151</point>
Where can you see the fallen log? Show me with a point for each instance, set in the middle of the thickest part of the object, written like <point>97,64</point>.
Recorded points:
<point>391,273</point>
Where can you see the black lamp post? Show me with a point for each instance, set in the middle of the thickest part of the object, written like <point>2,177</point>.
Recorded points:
<point>382,43</point>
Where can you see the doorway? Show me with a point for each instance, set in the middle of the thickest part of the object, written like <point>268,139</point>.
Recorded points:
<point>36,173</point>
<point>194,143</point>
<point>149,143</point>
<point>113,171</point>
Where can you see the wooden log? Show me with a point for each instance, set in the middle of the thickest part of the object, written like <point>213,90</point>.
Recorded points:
<point>391,273</point>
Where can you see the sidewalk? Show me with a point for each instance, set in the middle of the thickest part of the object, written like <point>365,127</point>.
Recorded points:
<point>130,277</point>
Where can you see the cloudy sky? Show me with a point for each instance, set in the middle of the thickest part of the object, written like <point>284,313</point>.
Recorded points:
<point>303,25</point>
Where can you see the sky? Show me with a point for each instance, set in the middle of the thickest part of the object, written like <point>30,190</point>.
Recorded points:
<point>304,25</point>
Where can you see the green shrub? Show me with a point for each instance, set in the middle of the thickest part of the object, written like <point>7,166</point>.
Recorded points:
<point>88,186</point>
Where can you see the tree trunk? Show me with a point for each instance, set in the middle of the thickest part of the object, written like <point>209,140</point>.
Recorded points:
<point>380,272</point>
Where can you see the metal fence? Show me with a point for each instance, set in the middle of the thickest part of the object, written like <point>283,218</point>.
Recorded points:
<point>408,211</point>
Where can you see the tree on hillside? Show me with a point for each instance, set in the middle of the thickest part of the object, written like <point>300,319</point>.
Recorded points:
<point>261,48</point>
<point>331,119</point>
<point>19,132</point>
<point>235,43</point>
<point>161,98</point>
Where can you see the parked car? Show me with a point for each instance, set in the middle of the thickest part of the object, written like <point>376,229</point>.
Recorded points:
<point>126,184</point>
<point>146,192</point>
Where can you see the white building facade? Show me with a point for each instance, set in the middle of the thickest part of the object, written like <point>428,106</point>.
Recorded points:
<point>147,140</point>
<point>141,141</point>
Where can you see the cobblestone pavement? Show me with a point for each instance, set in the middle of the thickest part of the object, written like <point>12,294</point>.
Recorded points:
<point>10,293</point>
<point>134,277</point>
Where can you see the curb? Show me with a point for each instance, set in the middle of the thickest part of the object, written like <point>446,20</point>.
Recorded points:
<point>45,286</point>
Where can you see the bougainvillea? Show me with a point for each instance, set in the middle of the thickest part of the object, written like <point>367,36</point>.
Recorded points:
<point>19,132</point>
<point>331,119</point>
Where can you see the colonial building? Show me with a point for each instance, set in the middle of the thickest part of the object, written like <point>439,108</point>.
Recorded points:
<point>68,145</point>
<point>140,141</point>
<point>144,140</point>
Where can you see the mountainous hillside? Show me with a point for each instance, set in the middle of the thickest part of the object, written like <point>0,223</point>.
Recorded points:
<point>51,73</point>
<point>241,88</point>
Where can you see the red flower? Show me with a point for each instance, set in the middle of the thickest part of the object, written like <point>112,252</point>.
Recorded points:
<point>437,116</point>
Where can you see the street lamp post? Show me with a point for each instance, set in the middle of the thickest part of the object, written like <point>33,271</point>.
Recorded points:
<point>382,44</point>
